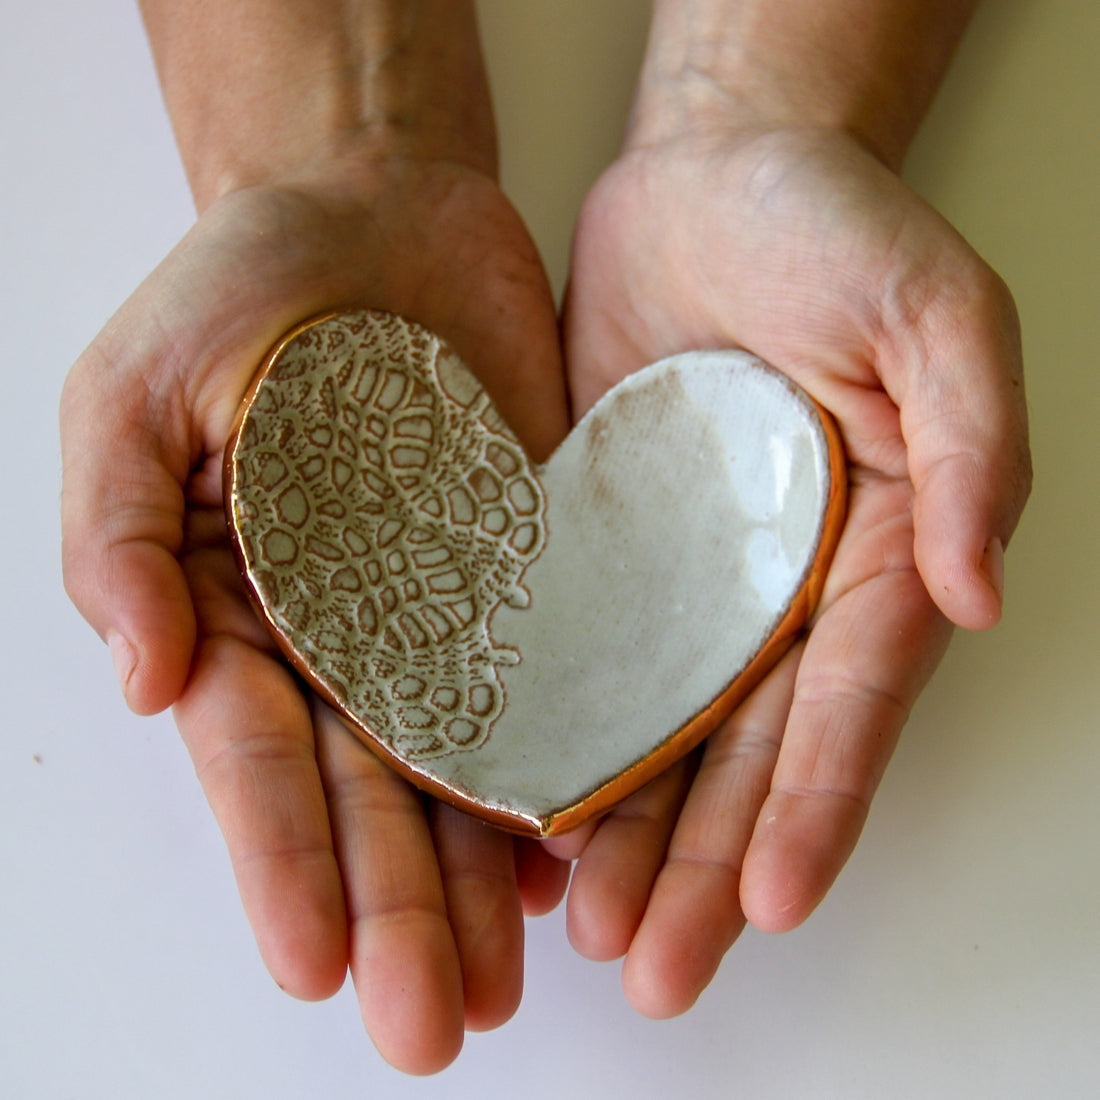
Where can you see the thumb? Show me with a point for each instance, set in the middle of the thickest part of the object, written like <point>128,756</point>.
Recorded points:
<point>964,417</point>
<point>122,510</point>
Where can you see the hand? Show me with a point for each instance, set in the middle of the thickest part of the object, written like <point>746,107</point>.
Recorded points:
<point>339,862</point>
<point>799,246</point>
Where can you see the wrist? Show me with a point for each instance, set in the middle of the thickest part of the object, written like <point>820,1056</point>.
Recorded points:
<point>264,93</point>
<point>856,67</point>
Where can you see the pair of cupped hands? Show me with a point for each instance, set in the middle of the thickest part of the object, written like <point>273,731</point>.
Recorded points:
<point>797,245</point>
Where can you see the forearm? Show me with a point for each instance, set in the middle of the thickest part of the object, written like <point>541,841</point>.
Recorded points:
<point>868,67</point>
<point>265,89</point>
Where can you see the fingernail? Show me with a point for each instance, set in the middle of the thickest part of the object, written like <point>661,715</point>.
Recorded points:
<point>124,656</point>
<point>993,566</point>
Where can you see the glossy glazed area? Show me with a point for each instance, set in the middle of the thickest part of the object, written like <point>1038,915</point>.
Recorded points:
<point>531,644</point>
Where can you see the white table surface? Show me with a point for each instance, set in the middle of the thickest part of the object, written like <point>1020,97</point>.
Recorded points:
<point>959,954</point>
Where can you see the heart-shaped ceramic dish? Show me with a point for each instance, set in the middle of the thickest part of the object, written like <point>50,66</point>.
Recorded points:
<point>528,643</point>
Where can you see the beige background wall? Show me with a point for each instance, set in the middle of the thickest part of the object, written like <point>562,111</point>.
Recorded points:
<point>959,955</point>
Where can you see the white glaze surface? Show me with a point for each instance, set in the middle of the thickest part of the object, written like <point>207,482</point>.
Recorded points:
<point>520,637</point>
<point>683,514</point>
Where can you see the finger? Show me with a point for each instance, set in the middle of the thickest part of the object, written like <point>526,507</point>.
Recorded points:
<point>154,395</point>
<point>513,345</point>
<point>249,733</point>
<point>964,418</point>
<point>615,873</point>
<point>694,913</point>
<point>404,960</point>
<point>122,526</point>
<point>570,845</point>
<point>478,869</point>
<point>866,659</point>
<point>542,878</point>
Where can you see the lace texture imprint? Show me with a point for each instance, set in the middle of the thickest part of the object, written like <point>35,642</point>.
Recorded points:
<point>383,510</point>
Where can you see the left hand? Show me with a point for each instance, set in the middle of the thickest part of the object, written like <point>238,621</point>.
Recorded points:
<point>342,865</point>
<point>799,246</point>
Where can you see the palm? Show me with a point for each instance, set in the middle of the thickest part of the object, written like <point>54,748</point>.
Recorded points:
<point>338,862</point>
<point>814,257</point>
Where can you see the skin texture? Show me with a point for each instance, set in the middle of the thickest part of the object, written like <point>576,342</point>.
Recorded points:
<point>784,788</point>
<point>341,865</point>
<point>339,862</point>
<point>754,205</point>
<point>748,211</point>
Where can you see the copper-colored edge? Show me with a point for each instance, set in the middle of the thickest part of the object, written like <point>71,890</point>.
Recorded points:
<point>674,747</point>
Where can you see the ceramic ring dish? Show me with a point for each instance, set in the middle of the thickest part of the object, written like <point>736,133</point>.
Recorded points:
<point>529,643</point>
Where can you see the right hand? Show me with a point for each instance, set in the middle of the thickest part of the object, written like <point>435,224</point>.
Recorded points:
<point>798,245</point>
<point>340,863</point>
